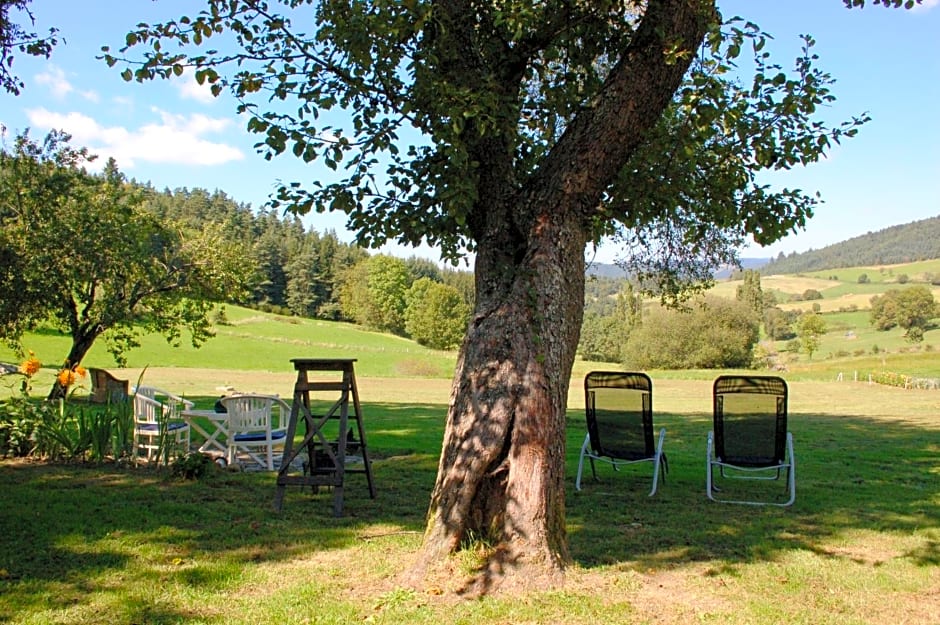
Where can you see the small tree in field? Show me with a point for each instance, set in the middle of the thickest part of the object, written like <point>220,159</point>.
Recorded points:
<point>523,132</point>
<point>81,253</point>
<point>809,329</point>
<point>911,308</point>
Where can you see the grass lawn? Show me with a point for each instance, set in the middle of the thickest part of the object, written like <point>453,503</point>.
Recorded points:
<point>85,544</point>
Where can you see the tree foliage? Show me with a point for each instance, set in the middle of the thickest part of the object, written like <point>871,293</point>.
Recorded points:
<point>374,291</point>
<point>911,308</point>
<point>778,323</point>
<point>84,255</point>
<point>809,329</point>
<point>605,330</point>
<point>750,292</point>
<point>15,38</point>
<point>377,61</point>
<point>436,315</point>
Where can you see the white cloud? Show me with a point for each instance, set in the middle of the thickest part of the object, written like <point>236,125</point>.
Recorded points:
<point>54,78</point>
<point>192,90</point>
<point>175,139</point>
<point>926,5</point>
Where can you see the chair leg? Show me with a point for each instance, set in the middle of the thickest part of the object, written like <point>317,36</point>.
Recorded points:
<point>791,471</point>
<point>657,460</point>
<point>708,466</point>
<point>577,480</point>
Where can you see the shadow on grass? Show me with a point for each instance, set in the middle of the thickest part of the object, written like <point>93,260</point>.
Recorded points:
<point>64,526</point>
<point>63,529</point>
<point>853,473</point>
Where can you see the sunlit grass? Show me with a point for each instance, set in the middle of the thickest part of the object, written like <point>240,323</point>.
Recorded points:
<point>83,544</point>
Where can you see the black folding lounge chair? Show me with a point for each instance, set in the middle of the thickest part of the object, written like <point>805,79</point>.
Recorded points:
<point>619,410</point>
<point>750,438</point>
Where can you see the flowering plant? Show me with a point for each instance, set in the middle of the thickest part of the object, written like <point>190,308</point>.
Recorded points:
<point>67,377</point>
<point>30,366</point>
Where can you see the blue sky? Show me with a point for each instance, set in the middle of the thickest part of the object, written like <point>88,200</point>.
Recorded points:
<point>174,134</point>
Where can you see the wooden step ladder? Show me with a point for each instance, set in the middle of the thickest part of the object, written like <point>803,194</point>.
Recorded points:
<point>326,460</point>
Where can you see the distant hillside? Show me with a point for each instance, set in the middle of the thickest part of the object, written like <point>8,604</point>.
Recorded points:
<point>918,240</point>
<point>607,270</point>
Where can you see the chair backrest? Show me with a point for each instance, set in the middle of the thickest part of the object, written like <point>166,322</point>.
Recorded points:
<point>249,413</point>
<point>619,410</point>
<point>148,407</point>
<point>750,419</point>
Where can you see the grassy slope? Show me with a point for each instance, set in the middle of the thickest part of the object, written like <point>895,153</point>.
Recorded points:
<point>254,350</point>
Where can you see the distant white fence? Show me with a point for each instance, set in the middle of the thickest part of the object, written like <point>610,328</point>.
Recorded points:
<point>896,379</point>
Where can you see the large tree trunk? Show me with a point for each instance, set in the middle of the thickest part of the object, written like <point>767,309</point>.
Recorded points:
<point>501,474</point>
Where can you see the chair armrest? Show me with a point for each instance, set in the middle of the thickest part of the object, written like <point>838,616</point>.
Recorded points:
<point>283,413</point>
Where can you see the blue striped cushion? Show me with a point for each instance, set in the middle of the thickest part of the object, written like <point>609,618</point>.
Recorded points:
<point>258,436</point>
<point>153,427</point>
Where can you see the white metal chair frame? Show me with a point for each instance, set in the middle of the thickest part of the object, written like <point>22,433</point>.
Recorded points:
<point>251,428</point>
<point>636,382</point>
<point>157,423</point>
<point>769,469</point>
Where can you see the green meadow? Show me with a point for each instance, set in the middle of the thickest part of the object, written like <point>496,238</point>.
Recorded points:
<point>84,543</point>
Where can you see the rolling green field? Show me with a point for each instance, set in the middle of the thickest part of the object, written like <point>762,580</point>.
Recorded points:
<point>88,544</point>
<point>253,350</point>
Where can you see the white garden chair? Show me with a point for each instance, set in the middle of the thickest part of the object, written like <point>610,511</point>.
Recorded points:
<point>158,427</point>
<point>255,428</point>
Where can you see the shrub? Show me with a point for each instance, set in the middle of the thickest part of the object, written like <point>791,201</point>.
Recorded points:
<point>192,466</point>
<point>715,333</point>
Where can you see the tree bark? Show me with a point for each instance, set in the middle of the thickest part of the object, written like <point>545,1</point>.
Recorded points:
<point>501,472</point>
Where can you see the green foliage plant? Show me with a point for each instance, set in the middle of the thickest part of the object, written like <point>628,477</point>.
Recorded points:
<point>911,308</point>
<point>436,315</point>
<point>712,333</point>
<point>809,328</point>
<point>65,429</point>
<point>192,466</point>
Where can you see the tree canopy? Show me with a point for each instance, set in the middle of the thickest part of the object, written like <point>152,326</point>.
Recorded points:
<point>418,130</point>
<point>911,308</point>
<point>521,132</point>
